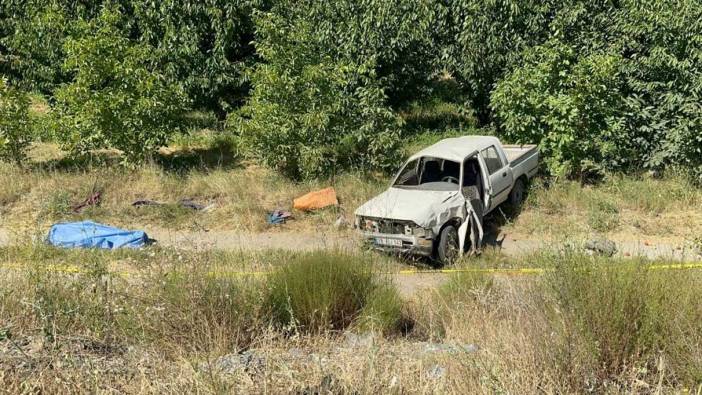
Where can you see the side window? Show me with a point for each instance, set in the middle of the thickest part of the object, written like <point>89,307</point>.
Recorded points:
<point>409,175</point>
<point>492,159</point>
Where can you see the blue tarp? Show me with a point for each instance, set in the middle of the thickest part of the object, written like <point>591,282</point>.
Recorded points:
<point>88,234</point>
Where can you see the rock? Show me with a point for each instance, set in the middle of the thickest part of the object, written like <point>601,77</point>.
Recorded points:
<point>430,348</point>
<point>359,341</point>
<point>436,372</point>
<point>247,361</point>
<point>601,247</point>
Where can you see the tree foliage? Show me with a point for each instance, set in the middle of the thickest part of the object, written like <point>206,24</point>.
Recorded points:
<point>314,111</point>
<point>622,94</point>
<point>15,124</point>
<point>315,87</point>
<point>117,98</point>
<point>203,45</point>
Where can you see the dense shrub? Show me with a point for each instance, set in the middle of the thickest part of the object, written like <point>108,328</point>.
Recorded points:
<point>570,105</point>
<point>321,291</point>
<point>116,99</point>
<point>15,125</point>
<point>663,72</point>
<point>203,46</point>
<point>484,40</point>
<point>611,95</point>
<point>312,111</point>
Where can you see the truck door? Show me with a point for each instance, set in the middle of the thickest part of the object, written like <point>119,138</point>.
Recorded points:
<point>500,175</point>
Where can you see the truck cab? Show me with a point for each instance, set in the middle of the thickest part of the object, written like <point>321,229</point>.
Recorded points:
<point>436,203</point>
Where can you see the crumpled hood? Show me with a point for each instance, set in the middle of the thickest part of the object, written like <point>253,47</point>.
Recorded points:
<point>418,206</point>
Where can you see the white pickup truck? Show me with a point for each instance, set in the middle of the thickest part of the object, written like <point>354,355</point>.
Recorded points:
<point>437,201</point>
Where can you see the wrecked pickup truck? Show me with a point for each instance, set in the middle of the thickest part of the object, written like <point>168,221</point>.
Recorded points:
<point>436,202</point>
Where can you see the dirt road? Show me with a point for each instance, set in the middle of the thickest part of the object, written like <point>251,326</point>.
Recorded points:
<point>510,245</point>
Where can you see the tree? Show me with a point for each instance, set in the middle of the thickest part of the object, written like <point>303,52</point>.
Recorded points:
<point>15,125</point>
<point>485,40</point>
<point>571,106</point>
<point>314,110</point>
<point>202,45</point>
<point>117,97</point>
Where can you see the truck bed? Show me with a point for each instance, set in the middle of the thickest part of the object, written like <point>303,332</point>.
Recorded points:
<point>516,153</point>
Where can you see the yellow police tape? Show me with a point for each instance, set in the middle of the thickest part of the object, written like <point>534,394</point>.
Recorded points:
<point>73,269</point>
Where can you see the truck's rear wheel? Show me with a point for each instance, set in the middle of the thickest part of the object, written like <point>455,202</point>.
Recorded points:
<point>447,250</point>
<point>517,194</point>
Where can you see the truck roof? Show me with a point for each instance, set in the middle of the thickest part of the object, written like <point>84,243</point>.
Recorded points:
<point>457,148</point>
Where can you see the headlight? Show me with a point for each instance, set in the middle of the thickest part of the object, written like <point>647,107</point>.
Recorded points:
<point>422,232</point>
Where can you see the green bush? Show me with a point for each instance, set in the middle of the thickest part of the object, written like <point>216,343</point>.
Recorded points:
<point>613,88</point>
<point>117,98</point>
<point>312,113</point>
<point>482,41</point>
<point>566,103</point>
<point>317,292</point>
<point>15,124</point>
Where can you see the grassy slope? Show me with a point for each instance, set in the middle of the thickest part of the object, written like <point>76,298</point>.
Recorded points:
<point>592,325</point>
<point>620,207</point>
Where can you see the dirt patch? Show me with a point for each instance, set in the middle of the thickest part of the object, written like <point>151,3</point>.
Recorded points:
<point>248,241</point>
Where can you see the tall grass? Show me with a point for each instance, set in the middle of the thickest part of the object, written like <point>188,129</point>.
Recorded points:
<point>319,292</point>
<point>630,316</point>
<point>591,324</point>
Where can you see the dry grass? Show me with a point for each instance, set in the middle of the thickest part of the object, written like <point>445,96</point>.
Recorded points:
<point>624,208</point>
<point>242,197</point>
<point>587,327</point>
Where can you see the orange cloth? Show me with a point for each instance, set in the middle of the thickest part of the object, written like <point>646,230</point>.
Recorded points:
<point>316,200</point>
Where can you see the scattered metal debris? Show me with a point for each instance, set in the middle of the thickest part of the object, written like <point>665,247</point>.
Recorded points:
<point>93,200</point>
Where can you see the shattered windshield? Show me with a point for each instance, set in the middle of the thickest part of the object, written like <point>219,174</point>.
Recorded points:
<point>431,174</point>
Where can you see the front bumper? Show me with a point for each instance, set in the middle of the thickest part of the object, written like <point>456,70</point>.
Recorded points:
<point>398,243</point>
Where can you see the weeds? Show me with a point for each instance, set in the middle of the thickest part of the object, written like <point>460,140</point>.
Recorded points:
<point>603,216</point>
<point>591,324</point>
<point>320,292</point>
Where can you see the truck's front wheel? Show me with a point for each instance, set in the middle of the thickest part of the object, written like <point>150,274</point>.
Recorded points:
<point>447,250</point>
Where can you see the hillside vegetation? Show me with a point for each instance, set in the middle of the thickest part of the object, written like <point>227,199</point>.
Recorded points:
<point>240,106</point>
<point>168,321</point>
<point>317,88</point>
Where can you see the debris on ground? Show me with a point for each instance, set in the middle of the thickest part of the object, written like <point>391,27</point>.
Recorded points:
<point>316,200</point>
<point>603,247</point>
<point>88,234</point>
<point>190,203</point>
<point>278,217</point>
<point>186,203</point>
<point>248,361</point>
<point>92,200</point>
<point>341,222</point>
<point>432,348</point>
<point>146,202</point>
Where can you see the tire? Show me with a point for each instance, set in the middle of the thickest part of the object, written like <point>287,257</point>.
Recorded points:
<point>517,194</point>
<point>447,251</point>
